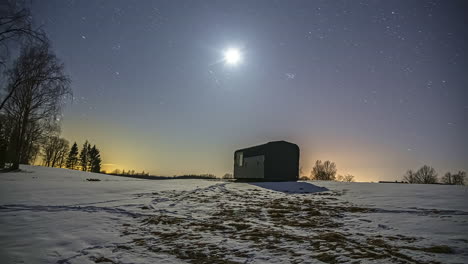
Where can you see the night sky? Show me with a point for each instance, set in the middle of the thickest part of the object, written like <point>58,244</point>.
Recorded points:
<point>379,87</point>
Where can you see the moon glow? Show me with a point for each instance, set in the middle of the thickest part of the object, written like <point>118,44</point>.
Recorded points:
<point>232,56</point>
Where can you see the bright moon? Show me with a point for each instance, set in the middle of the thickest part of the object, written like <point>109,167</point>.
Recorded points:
<point>232,56</point>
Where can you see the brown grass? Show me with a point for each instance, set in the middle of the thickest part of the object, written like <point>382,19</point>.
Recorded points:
<point>102,260</point>
<point>327,258</point>
<point>163,219</point>
<point>282,224</point>
<point>434,249</point>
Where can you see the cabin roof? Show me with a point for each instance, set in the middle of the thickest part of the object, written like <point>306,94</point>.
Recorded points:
<point>266,146</point>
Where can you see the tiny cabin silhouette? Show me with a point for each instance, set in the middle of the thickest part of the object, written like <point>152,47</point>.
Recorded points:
<point>273,161</point>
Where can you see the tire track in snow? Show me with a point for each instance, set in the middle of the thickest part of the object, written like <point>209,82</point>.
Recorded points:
<point>61,208</point>
<point>420,211</point>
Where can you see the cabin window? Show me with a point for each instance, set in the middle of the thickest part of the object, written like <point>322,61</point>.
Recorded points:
<point>240,159</point>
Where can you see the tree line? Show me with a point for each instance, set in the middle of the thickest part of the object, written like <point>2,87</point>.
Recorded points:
<point>326,171</point>
<point>428,175</point>
<point>55,151</point>
<point>89,159</point>
<point>146,175</point>
<point>34,88</point>
<point>119,172</point>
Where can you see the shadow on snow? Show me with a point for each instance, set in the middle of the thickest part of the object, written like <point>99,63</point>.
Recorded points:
<point>290,187</point>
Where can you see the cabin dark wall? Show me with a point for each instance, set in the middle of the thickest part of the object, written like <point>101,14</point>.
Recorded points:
<point>281,162</point>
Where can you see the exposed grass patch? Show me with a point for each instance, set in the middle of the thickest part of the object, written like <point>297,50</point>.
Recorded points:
<point>378,243</point>
<point>434,249</point>
<point>102,260</point>
<point>139,241</point>
<point>211,226</point>
<point>312,212</point>
<point>354,209</point>
<point>268,236</point>
<point>407,239</point>
<point>366,254</point>
<point>331,237</point>
<point>163,219</point>
<point>277,213</point>
<point>327,258</point>
<point>168,235</point>
<point>124,247</point>
<point>240,226</point>
<point>197,252</point>
<point>266,224</point>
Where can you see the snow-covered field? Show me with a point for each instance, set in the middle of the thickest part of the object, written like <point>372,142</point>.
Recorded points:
<point>52,215</point>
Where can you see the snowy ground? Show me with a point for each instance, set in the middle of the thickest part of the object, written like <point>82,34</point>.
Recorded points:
<point>57,216</point>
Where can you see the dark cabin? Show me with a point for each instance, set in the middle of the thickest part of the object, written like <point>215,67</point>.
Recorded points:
<point>273,161</point>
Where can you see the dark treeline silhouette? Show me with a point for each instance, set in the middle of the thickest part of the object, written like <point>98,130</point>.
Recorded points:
<point>89,159</point>
<point>455,179</point>
<point>30,102</point>
<point>128,173</point>
<point>72,158</point>
<point>428,175</point>
<point>56,152</point>
<point>145,175</point>
<point>34,89</point>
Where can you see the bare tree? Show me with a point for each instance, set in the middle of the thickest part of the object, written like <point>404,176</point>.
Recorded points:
<point>409,177</point>
<point>456,179</point>
<point>32,142</point>
<point>16,28</point>
<point>37,85</point>
<point>425,175</point>
<point>49,150</point>
<point>323,171</point>
<point>345,178</point>
<point>16,25</point>
<point>5,136</point>
<point>55,150</point>
<point>459,178</point>
<point>62,153</point>
<point>447,178</point>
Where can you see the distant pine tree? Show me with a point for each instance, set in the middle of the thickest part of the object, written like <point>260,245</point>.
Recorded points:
<point>72,159</point>
<point>84,156</point>
<point>94,159</point>
<point>89,158</point>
